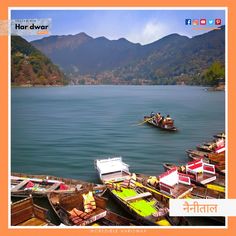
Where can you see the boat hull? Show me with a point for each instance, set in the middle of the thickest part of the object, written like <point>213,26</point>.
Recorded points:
<point>110,219</point>
<point>196,158</point>
<point>210,180</point>
<point>197,153</point>
<point>72,183</point>
<point>137,217</point>
<point>151,122</point>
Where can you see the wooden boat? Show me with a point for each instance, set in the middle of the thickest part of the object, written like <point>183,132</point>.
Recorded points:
<point>217,159</point>
<point>212,156</point>
<point>40,185</point>
<point>219,167</point>
<point>216,146</point>
<point>201,173</point>
<point>192,157</point>
<point>205,148</point>
<point>196,153</point>
<point>170,184</point>
<point>220,135</point>
<point>206,193</point>
<point>187,191</point>
<point>65,205</point>
<point>218,184</point>
<point>134,198</point>
<point>152,183</point>
<point>198,171</point>
<point>26,213</point>
<point>168,125</point>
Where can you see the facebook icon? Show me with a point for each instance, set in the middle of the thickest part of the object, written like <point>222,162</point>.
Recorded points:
<point>188,21</point>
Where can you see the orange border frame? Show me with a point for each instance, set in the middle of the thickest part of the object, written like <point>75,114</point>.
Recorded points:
<point>4,60</point>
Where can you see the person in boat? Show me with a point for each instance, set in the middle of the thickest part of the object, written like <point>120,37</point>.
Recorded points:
<point>158,118</point>
<point>152,114</point>
<point>168,118</point>
<point>158,115</point>
<point>162,121</point>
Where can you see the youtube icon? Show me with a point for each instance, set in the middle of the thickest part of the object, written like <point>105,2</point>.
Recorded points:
<point>203,22</point>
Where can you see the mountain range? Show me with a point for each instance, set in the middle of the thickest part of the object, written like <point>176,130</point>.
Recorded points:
<point>170,60</point>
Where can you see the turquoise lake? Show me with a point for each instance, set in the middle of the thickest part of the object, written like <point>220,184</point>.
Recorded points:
<point>62,130</point>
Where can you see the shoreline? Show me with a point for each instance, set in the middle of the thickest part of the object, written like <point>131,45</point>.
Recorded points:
<point>36,86</point>
<point>220,88</point>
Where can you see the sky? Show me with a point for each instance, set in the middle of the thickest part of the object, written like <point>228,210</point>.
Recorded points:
<point>137,26</point>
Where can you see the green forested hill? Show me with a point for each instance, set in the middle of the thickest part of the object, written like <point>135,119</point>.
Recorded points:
<point>175,59</point>
<point>30,67</point>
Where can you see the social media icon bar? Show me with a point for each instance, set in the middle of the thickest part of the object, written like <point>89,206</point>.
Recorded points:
<point>217,21</point>
<point>202,21</point>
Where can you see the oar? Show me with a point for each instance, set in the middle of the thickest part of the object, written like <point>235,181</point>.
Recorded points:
<point>146,120</point>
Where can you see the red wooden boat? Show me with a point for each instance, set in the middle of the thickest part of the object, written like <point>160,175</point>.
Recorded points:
<point>217,146</point>
<point>199,172</point>
<point>165,124</point>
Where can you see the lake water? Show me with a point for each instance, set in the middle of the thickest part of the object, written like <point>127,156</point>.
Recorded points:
<point>62,130</point>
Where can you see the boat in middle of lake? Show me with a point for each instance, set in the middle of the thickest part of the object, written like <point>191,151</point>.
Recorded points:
<point>156,120</point>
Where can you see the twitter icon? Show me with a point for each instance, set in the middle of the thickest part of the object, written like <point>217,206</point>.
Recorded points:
<point>210,22</point>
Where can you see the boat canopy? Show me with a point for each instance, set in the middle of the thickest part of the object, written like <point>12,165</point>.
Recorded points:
<point>110,165</point>
<point>199,166</point>
<point>172,177</point>
<point>174,183</point>
<point>220,142</point>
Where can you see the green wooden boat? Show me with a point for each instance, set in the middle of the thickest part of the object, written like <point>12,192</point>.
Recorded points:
<point>135,199</point>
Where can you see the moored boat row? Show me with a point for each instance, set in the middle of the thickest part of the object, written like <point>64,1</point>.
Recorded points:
<point>146,198</point>
<point>211,152</point>
<point>129,190</point>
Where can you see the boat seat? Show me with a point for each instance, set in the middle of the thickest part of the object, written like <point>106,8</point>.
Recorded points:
<point>54,186</point>
<point>138,196</point>
<point>33,222</point>
<point>20,185</point>
<point>205,178</point>
<point>139,190</point>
